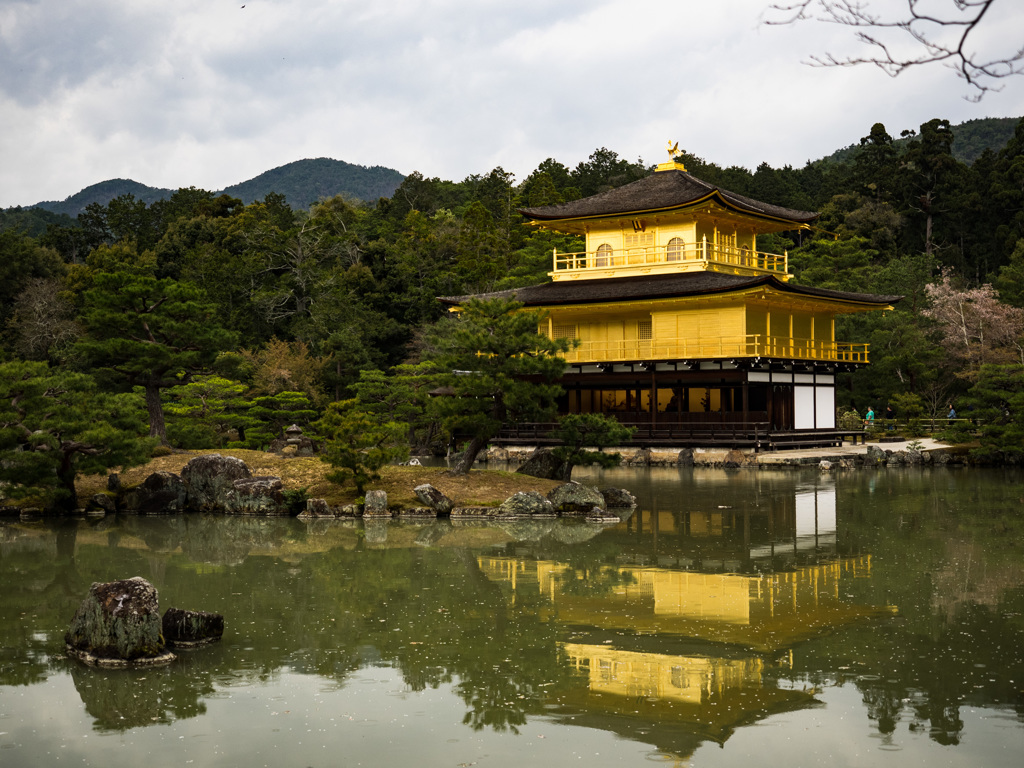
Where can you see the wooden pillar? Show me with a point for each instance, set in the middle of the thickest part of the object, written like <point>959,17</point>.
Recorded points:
<point>654,398</point>
<point>745,398</point>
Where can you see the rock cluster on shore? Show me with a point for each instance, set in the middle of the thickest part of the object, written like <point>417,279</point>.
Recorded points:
<point>566,500</point>
<point>208,483</point>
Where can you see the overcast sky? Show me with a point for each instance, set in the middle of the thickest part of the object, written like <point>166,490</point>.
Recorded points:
<point>213,92</point>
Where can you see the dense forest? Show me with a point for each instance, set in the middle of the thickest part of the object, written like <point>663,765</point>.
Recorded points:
<point>220,322</point>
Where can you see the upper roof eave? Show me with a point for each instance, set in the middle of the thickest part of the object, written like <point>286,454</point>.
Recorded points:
<point>661,192</point>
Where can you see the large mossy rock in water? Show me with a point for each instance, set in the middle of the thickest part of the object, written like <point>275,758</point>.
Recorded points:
<point>117,625</point>
<point>210,478</point>
<point>192,628</point>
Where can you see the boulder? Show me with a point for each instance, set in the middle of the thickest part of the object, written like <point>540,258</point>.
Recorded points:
<point>896,458</point>
<point>575,497</point>
<point>261,495</point>
<point>376,504</point>
<point>734,459</point>
<point>825,465</point>
<point>162,493</point>
<point>915,458</point>
<point>318,508</point>
<point>118,624</point>
<point>685,458</point>
<point>526,504</point>
<point>434,499</point>
<point>544,464</point>
<point>188,629</point>
<point>641,458</point>
<point>617,498</point>
<point>102,502</point>
<point>875,455</point>
<point>209,477</point>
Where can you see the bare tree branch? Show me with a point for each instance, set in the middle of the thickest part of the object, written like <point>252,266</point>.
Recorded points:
<point>944,39</point>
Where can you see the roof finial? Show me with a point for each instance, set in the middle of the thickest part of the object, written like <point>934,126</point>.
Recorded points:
<point>672,164</point>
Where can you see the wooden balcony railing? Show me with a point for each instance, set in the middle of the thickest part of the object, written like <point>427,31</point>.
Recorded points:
<point>700,255</point>
<point>749,345</point>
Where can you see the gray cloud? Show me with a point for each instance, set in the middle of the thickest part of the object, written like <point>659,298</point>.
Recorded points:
<point>204,92</point>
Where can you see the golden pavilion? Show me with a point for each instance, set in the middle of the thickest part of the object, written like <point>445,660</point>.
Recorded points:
<point>682,327</point>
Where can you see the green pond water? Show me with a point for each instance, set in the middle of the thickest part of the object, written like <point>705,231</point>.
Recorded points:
<point>736,618</point>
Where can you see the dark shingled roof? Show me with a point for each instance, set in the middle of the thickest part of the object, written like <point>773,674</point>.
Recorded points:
<point>668,286</point>
<point>662,190</point>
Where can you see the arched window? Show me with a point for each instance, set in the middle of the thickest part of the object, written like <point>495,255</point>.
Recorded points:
<point>674,249</point>
<point>604,256</point>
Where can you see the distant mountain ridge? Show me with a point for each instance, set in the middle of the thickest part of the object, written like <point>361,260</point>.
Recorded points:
<point>302,182</point>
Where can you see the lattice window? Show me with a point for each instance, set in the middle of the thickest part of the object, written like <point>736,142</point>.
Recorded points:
<point>674,249</point>
<point>639,239</point>
<point>564,331</point>
<point>604,256</point>
<point>644,330</point>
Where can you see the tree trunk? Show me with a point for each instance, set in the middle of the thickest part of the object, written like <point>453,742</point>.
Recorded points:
<point>157,428</point>
<point>66,475</point>
<point>469,457</point>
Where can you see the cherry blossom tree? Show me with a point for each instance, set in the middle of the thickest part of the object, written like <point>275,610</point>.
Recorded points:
<point>976,327</point>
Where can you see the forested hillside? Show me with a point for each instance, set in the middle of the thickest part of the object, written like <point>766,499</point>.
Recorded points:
<point>306,181</point>
<point>302,183</point>
<point>102,193</point>
<point>970,140</point>
<point>228,321</point>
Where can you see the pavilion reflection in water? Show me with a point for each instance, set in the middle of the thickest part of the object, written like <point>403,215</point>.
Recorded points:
<point>690,650</point>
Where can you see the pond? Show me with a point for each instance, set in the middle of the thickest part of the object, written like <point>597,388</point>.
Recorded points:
<point>867,618</point>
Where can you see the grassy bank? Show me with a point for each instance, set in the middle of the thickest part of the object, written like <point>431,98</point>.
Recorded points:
<point>480,487</point>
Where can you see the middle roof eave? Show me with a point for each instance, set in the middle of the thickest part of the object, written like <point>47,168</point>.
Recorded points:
<point>621,289</point>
